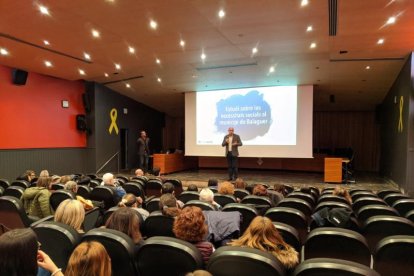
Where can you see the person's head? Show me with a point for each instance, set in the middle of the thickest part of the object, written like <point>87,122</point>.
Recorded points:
<point>280,188</point>
<point>167,188</point>
<point>108,179</point>
<point>306,190</point>
<point>259,190</point>
<point>192,188</point>
<point>339,191</point>
<point>18,251</point>
<point>139,172</point>
<point>190,225</point>
<point>71,212</point>
<point>30,174</point>
<point>71,186</point>
<point>199,272</point>
<point>129,200</point>
<point>126,221</point>
<point>239,183</point>
<point>168,205</point>
<point>207,195</point>
<point>231,131</point>
<point>44,182</point>
<point>226,188</point>
<point>156,171</point>
<point>55,179</point>
<point>143,134</point>
<point>65,178</point>
<point>89,258</point>
<point>212,182</point>
<point>44,173</point>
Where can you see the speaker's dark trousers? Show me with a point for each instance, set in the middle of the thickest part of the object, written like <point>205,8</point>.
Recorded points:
<point>232,163</point>
<point>143,162</point>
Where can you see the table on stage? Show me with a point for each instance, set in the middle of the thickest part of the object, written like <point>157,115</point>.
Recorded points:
<point>173,162</point>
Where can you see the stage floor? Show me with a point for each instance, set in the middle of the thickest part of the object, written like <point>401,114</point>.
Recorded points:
<point>200,177</point>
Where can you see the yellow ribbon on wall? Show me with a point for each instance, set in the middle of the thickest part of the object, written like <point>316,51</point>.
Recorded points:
<point>113,114</point>
<point>400,121</point>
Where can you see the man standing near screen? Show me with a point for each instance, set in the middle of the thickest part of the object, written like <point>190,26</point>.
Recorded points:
<point>143,151</point>
<point>232,142</point>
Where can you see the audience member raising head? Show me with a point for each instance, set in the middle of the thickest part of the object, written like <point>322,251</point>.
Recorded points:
<point>72,213</point>
<point>207,195</point>
<point>342,192</point>
<point>263,235</point>
<point>20,254</point>
<point>72,186</point>
<point>131,201</point>
<point>190,226</point>
<point>36,199</point>
<point>89,259</point>
<point>126,221</point>
<point>168,205</point>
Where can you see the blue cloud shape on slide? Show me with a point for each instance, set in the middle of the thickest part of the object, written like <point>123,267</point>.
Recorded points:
<point>250,115</point>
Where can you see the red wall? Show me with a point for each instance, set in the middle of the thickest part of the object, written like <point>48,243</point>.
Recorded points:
<point>31,116</point>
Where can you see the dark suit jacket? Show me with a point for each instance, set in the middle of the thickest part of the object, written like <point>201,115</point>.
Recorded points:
<point>143,146</point>
<point>234,148</point>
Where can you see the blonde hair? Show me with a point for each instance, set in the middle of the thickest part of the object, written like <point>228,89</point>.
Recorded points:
<point>71,212</point>
<point>44,173</point>
<point>207,195</point>
<point>89,258</point>
<point>339,191</point>
<point>226,188</point>
<point>263,235</point>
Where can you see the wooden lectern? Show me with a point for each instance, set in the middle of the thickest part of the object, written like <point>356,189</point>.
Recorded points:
<point>333,170</point>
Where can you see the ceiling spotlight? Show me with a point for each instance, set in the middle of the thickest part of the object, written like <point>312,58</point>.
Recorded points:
<point>221,13</point>
<point>368,67</point>
<point>159,79</point>
<point>46,42</point>
<point>380,41</point>
<point>312,45</point>
<point>254,50</point>
<point>271,69</point>
<point>87,56</point>
<point>95,33</point>
<point>48,63</point>
<point>309,28</point>
<point>391,20</point>
<point>153,24</point>
<point>157,61</point>
<point>117,66</point>
<point>127,85</point>
<point>3,52</point>
<point>304,3</point>
<point>182,43</point>
<point>44,10</point>
<point>81,72</point>
<point>106,75</point>
<point>131,50</point>
<point>203,56</point>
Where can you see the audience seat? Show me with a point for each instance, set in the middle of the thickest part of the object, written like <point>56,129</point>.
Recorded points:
<point>157,224</point>
<point>153,205</point>
<point>178,186</point>
<point>91,219</point>
<point>84,191</point>
<point>14,191</point>
<point>383,193</point>
<point>410,215</point>
<point>353,225</point>
<point>201,204</point>
<point>298,204</point>
<point>135,189</point>
<point>330,197</point>
<point>21,183</point>
<point>58,241</point>
<point>243,261</point>
<point>248,213</point>
<point>58,196</point>
<point>94,183</point>
<point>4,183</point>
<point>241,193</point>
<point>394,255</point>
<point>57,186</point>
<point>189,195</point>
<point>290,216</point>
<point>92,176</point>
<point>120,248</point>
<point>109,212</point>
<point>259,202</point>
<point>122,178</point>
<point>289,234</point>
<point>12,213</point>
<point>329,266</point>
<point>104,194</point>
<point>289,188</point>
<point>338,243</point>
<point>304,196</point>
<point>357,190</point>
<point>393,197</point>
<point>403,206</point>
<point>223,200</point>
<point>214,189</point>
<point>366,201</point>
<point>153,187</point>
<point>168,256</point>
<point>1,191</point>
<point>330,205</point>
<point>360,194</point>
<point>375,210</point>
<point>143,179</point>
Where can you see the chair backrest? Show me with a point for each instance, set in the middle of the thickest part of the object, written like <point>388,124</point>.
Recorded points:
<point>21,183</point>
<point>338,243</point>
<point>330,197</point>
<point>153,205</point>
<point>289,216</point>
<point>123,178</point>
<point>289,188</point>
<point>1,191</point>
<point>92,176</point>
<point>357,190</point>
<point>105,194</point>
<point>144,179</point>
<point>365,201</point>
<point>375,210</point>
<point>383,193</point>
<point>201,204</point>
<point>289,234</point>
<point>84,191</point>
<point>298,204</point>
<point>379,227</point>
<point>394,255</point>
<point>304,196</point>
<point>259,202</point>
<point>58,196</point>
<point>153,187</point>
<point>135,189</point>
<point>248,213</point>
<point>168,256</point>
<point>14,191</point>
<point>4,183</point>
<point>178,186</point>
<point>393,197</point>
<point>410,215</point>
<point>94,183</point>
<point>331,204</point>
<point>188,195</point>
<point>360,194</point>
<point>12,213</point>
<point>58,240</point>
<point>57,186</point>
<point>119,246</point>
<point>157,224</point>
<point>329,266</point>
<point>223,200</point>
<point>243,261</point>
<point>213,189</point>
<point>403,206</point>
<point>109,212</point>
<point>241,193</point>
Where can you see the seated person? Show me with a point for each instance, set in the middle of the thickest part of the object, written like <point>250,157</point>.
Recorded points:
<point>44,173</point>
<point>36,199</point>
<point>72,213</point>
<point>207,195</point>
<point>239,183</point>
<point>72,186</point>
<point>65,178</point>
<point>260,190</point>
<point>168,205</point>
<point>139,172</point>
<point>89,258</point>
<point>226,188</point>
<point>263,235</point>
<point>342,192</point>
<point>169,188</point>
<point>212,182</point>
<point>192,188</point>
<point>276,195</point>
<point>28,175</point>
<point>190,226</point>
<point>108,180</point>
<point>131,201</point>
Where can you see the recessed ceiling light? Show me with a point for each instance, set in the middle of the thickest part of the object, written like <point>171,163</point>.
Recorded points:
<point>203,56</point>
<point>48,63</point>
<point>131,50</point>
<point>157,61</point>
<point>368,67</point>
<point>312,45</point>
<point>106,75</point>
<point>391,20</point>
<point>182,43</point>
<point>87,56</point>
<point>221,13</point>
<point>309,28</point>
<point>153,24</point>
<point>117,66</point>
<point>271,69</point>
<point>44,10</point>
<point>304,3</point>
<point>380,41</point>
<point>3,52</point>
<point>128,85</point>
<point>81,72</point>
<point>46,42</point>
<point>254,50</point>
<point>159,79</point>
<point>95,33</point>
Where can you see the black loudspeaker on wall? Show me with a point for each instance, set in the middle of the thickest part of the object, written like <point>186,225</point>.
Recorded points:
<point>81,122</point>
<point>86,102</point>
<point>19,77</point>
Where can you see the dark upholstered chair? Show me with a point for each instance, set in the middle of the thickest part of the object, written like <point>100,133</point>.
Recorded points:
<point>158,224</point>
<point>403,206</point>
<point>248,213</point>
<point>21,183</point>
<point>153,205</point>
<point>84,191</point>
<point>12,213</point>
<point>243,261</point>
<point>335,198</point>
<point>105,195</point>
<point>189,195</point>
<point>153,187</point>
<point>365,201</point>
<point>289,234</point>
<point>14,191</point>
<point>298,204</point>
<point>375,210</point>
<point>201,204</point>
<point>57,186</point>
<point>259,202</point>
<point>94,183</point>
<point>290,216</point>
<point>360,194</point>
<point>91,219</point>
<point>410,215</point>
<point>58,240</point>
<point>329,266</point>
<point>178,186</point>
<point>4,183</point>
<point>135,189</point>
<point>223,200</point>
<point>357,190</point>
<point>309,198</point>
<point>241,193</point>
<point>109,212</point>
<point>58,196</point>
<point>383,193</point>
<point>331,204</point>
<point>393,197</point>
<point>168,256</point>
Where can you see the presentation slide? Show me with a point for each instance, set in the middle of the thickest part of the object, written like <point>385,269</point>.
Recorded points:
<point>271,121</point>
